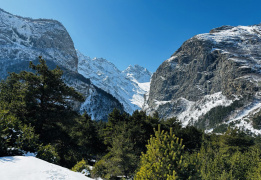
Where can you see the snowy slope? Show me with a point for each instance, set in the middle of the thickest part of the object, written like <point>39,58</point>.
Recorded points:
<point>31,168</point>
<point>128,86</point>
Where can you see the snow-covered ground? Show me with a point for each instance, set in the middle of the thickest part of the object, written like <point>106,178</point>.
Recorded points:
<point>31,168</point>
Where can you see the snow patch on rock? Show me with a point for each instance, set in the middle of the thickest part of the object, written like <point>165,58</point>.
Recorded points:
<point>196,109</point>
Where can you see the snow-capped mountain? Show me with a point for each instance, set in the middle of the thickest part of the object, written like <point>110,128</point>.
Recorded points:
<point>137,73</point>
<point>128,86</point>
<point>212,81</point>
<point>24,39</point>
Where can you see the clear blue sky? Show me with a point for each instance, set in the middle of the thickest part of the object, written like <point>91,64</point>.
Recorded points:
<point>144,32</point>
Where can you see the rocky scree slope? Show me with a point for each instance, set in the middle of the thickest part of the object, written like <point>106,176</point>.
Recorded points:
<point>212,81</point>
<point>128,86</point>
<point>24,39</point>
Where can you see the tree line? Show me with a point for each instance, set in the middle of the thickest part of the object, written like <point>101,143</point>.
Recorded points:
<point>36,116</point>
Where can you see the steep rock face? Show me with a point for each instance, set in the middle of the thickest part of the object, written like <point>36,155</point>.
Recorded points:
<point>128,86</point>
<point>98,103</point>
<point>24,39</point>
<point>221,65</point>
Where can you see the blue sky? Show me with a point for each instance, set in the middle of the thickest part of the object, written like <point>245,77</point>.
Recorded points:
<point>144,32</point>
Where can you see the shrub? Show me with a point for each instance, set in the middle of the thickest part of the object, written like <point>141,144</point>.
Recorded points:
<point>48,153</point>
<point>82,167</point>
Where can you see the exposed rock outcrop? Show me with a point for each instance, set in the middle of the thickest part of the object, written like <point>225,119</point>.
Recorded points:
<point>223,64</point>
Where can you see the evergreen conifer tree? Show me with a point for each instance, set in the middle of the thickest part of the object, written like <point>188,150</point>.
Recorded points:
<point>85,135</point>
<point>41,102</point>
<point>163,159</point>
<point>120,160</point>
<point>42,99</point>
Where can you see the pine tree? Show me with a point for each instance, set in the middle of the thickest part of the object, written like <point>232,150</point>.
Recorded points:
<point>9,133</point>
<point>15,138</point>
<point>42,103</point>
<point>115,119</point>
<point>163,159</point>
<point>85,135</point>
<point>42,99</point>
<point>140,128</point>
<point>12,96</point>
<point>234,140</point>
<point>119,161</point>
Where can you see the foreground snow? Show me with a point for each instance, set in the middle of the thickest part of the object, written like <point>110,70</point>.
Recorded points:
<point>31,168</point>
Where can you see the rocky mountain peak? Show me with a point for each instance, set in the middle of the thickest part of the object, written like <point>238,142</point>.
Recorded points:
<point>27,38</point>
<point>222,28</point>
<point>221,65</point>
<point>96,66</point>
<point>139,73</point>
<point>127,86</point>
<point>136,68</point>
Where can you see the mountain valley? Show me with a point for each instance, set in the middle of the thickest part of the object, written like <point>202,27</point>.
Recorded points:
<point>212,81</point>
